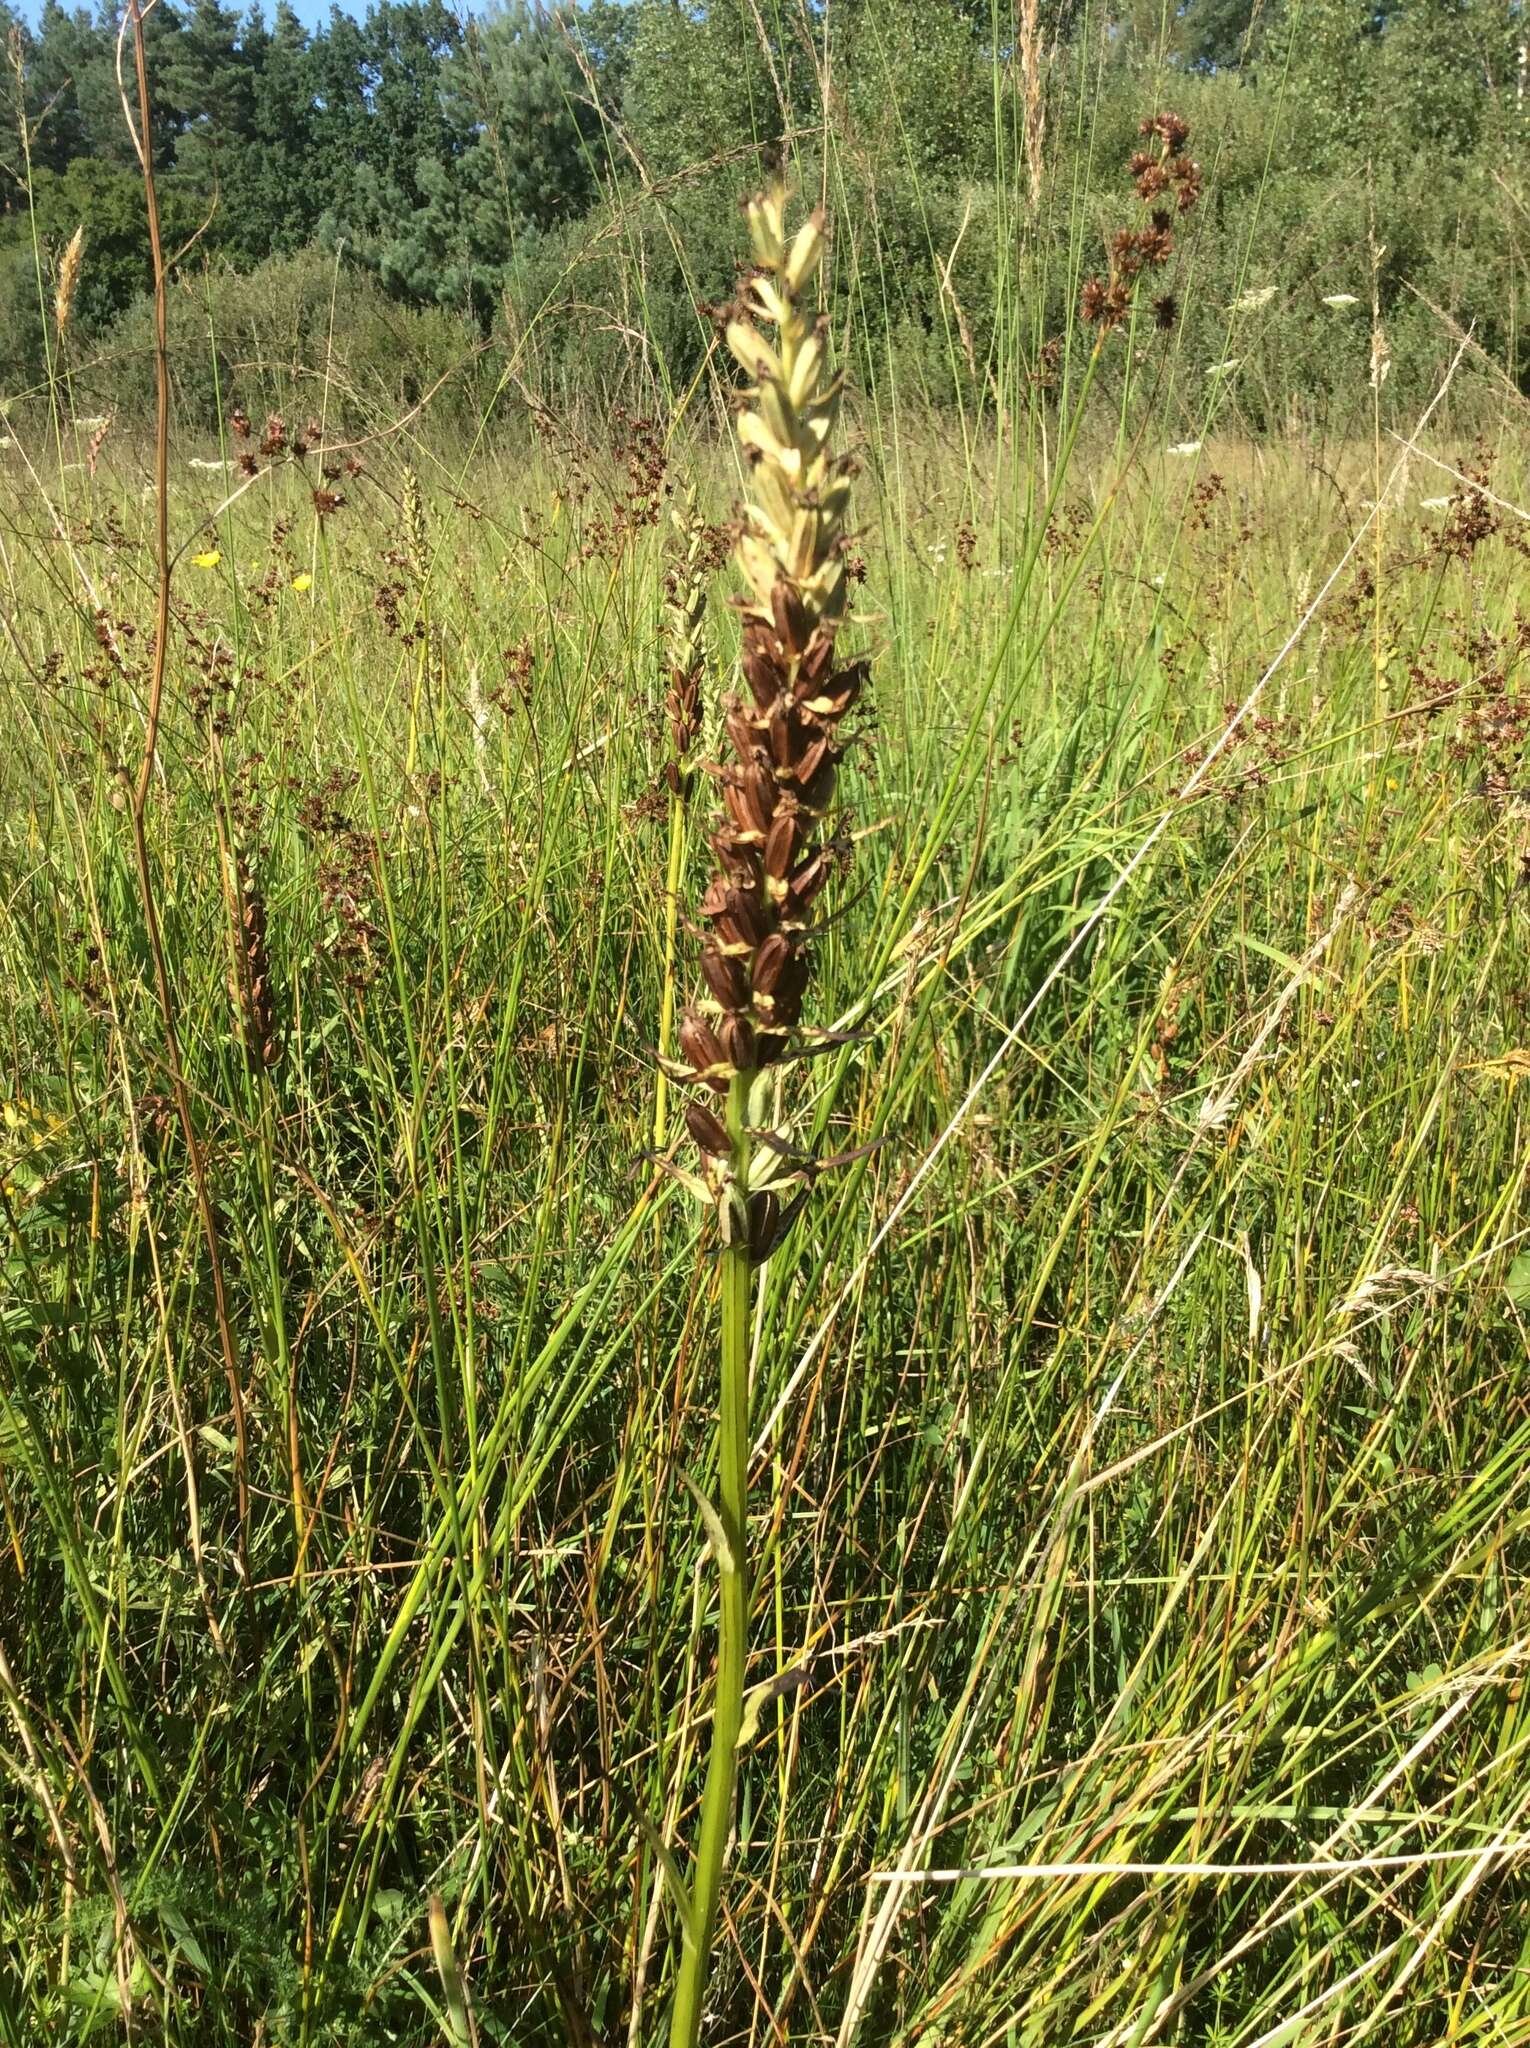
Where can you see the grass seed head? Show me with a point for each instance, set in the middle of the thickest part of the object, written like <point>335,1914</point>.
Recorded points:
<point>68,281</point>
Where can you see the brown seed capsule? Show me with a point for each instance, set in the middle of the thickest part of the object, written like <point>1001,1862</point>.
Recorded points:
<point>758,796</point>
<point>792,622</point>
<point>830,704</point>
<point>705,1128</point>
<point>781,846</point>
<point>769,964</point>
<point>762,674</point>
<point>700,1044</point>
<point>764,1224</point>
<point>738,1040</point>
<point>787,734</point>
<point>746,821</point>
<point>764,793</point>
<point>809,878</point>
<point>741,733</point>
<point>725,977</point>
<point>811,762</point>
<point>819,658</point>
<point>736,853</point>
<point>789,990</point>
<point>741,920</point>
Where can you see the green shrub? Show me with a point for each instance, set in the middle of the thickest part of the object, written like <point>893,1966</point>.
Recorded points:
<point>299,334</point>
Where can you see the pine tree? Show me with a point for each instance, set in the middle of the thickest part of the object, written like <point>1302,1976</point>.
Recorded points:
<point>88,68</point>
<point>288,188</point>
<point>209,87</point>
<point>547,139</point>
<point>55,58</point>
<point>13,36</point>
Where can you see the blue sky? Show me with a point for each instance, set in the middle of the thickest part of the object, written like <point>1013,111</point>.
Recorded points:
<point>312,12</point>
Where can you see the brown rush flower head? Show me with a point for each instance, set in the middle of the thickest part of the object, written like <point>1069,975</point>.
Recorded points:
<point>1137,252</point>
<point>785,734</point>
<point>685,604</point>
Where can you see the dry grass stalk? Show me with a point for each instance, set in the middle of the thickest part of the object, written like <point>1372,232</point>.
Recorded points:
<point>143,782</point>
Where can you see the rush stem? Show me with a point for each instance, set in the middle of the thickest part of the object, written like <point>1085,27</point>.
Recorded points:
<point>733,1612</point>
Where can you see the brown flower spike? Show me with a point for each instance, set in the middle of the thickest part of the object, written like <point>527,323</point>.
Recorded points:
<point>785,734</point>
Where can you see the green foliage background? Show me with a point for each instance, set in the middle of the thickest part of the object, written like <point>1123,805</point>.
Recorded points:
<point>558,188</point>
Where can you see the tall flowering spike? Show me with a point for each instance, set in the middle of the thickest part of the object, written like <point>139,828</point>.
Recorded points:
<point>250,984</point>
<point>785,730</point>
<point>685,604</point>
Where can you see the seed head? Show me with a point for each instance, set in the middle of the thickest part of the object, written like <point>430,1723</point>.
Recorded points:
<point>68,281</point>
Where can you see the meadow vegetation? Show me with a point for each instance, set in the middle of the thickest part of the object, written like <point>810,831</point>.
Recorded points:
<point>1138,1406</point>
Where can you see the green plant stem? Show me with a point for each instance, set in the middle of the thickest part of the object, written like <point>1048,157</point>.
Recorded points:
<point>733,1612</point>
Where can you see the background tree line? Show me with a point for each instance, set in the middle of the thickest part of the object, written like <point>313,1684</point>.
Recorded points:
<point>536,203</point>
